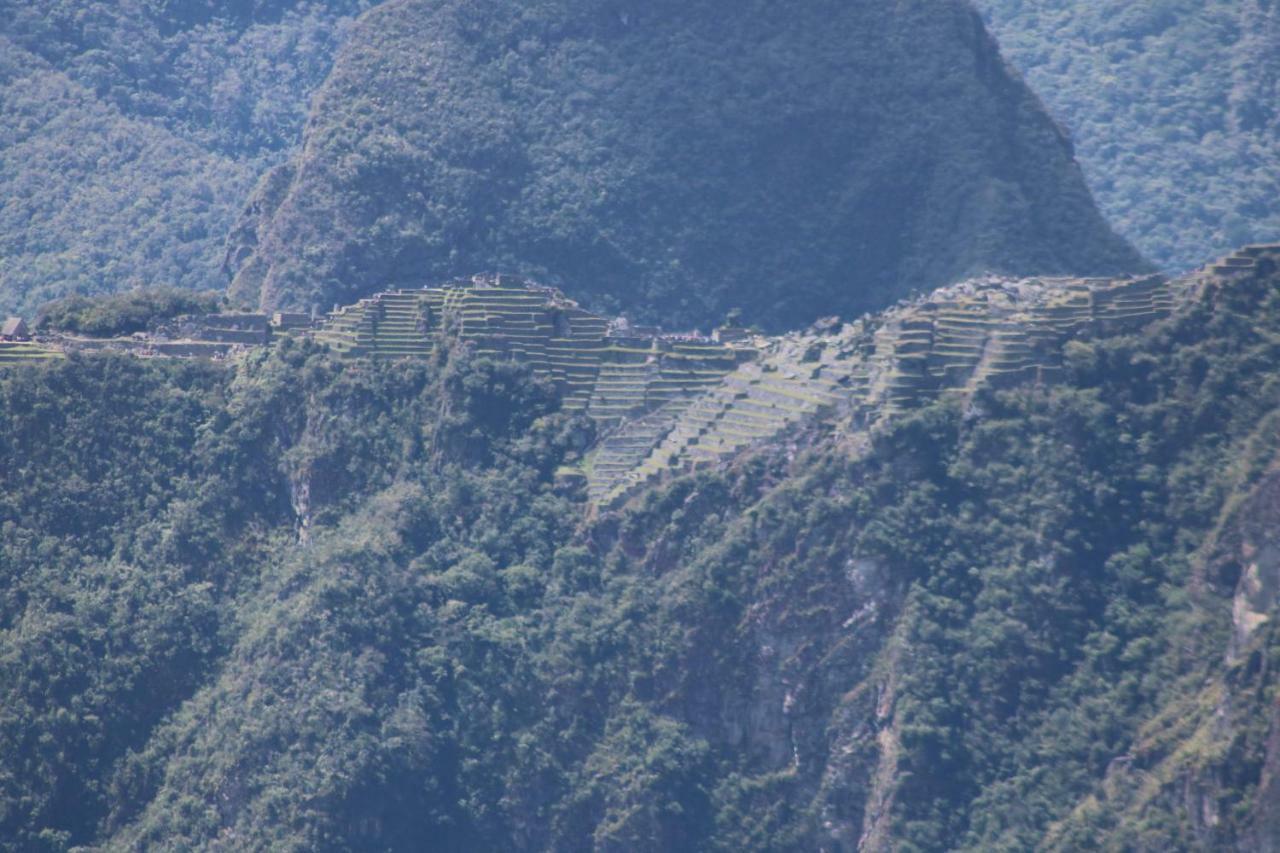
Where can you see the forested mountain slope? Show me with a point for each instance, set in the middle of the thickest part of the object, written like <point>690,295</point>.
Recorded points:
<point>304,603</point>
<point>131,133</point>
<point>1174,106</point>
<point>675,159</point>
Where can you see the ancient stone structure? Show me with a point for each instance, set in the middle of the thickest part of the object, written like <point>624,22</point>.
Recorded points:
<point>173,336</point>
<point>984,333</point>
<point>196,336</point>
<point>1262,258</point>
<point>665,402</point>
<point>16,345</point>
<point>14,329</point>
<point>611,373</point>
<point>287,321</point>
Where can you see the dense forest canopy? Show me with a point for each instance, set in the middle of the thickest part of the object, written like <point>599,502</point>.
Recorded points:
<point>1173,105</point>
<point>311,604</point>
<point>123,313</point>
<point>309,600</point>
<point>132,132</point>
<point>674,159</point>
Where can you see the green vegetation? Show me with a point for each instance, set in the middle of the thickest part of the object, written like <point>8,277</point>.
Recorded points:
<point>312,603</point>
<point>123,313</point>
<point>305,601</point>
<point>672,159</point>
<point>1172,105</point>
<point>132,131</point>
<point>144,509</point>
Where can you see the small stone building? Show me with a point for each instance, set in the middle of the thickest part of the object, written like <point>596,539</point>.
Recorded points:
<point>286,320</point>
<point>14,329</point>
<point>730,334</point>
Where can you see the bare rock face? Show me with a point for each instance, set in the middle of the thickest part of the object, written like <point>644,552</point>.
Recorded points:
<point>1249,557</point>
<point>675,159</point>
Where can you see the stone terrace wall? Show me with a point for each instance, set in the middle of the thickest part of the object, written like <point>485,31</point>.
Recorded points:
<point>25,352</point>
<point>610,377</point>
<point>984,333</point>
<point>671,402</point>
<point>667,403</point>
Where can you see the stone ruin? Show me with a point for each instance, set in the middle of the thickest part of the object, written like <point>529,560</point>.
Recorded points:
<point>17,345</point>
<point>670,402</point>
<point>611,371</point>
<point>988,332</point>
<point>211,336</point>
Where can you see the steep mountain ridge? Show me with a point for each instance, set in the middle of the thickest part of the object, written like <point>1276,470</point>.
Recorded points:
<point>472,567</point>
<point>672,159</point>
<point>319,603</point>
<point>662,401</point>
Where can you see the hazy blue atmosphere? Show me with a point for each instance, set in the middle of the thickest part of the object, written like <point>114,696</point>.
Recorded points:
<point>598,425</point>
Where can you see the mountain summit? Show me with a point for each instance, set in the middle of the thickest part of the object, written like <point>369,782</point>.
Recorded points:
<point>672,159</point>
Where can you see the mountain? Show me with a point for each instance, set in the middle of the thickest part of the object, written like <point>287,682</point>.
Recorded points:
<point>673,159</point>
<point>475,566</point>
<point>301,601</point>
<point>131,133</point>
<point>1172,105</point>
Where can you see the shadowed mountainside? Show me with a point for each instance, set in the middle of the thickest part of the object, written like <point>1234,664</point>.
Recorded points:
<point>672,159</point>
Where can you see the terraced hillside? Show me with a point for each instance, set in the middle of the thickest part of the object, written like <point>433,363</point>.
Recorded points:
<point>22,352</point>
<point>984,333</point>
<point>607,373</point>
<point>666,402</point>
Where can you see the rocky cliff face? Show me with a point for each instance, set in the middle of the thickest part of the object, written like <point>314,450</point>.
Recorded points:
<point>673,159</point>
<point>1204,769</point>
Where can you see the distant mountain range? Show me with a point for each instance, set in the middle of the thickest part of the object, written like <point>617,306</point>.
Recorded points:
<point>131,133</point>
